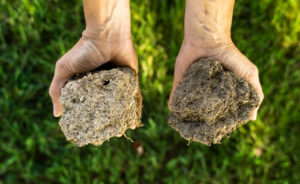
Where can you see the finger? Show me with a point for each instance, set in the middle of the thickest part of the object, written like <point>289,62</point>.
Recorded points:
<point>253,114</point>
<point>132,62</point>
<point>257,87</point>
<point>252,76</point>
<point>171,96</point>
<point>58,82</point>
<point>254,81</point>
<point>181,66</point>
<point>139,97</point>
<point>127,57</point>
<point>235,61</point>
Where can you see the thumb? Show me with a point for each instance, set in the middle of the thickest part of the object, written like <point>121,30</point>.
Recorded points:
<point>187,55</point>
<point>181,66</point>
<point>59,80</point>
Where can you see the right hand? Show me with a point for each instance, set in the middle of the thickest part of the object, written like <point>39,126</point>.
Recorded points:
<point>207,34</point>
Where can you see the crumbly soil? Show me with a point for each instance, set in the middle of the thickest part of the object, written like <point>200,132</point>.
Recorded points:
<point>100,105</point>
<point>211,102</point>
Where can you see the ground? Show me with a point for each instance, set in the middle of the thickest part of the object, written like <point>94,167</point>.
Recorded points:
<point>34,34</point>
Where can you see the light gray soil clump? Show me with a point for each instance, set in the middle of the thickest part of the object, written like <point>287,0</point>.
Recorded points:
<point>100,105</point>
<point>211,102</point>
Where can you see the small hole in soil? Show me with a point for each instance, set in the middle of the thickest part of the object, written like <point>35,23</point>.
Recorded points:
<point>105,82</point>
<point>74,100</point>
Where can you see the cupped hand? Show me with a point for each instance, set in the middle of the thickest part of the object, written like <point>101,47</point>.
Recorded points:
<point>207,34</point>
<point>207,28</point>
<point>90,52</point>
<point>230,57</point>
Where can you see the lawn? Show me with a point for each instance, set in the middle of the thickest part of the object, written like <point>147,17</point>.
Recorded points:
<point>35,33</point>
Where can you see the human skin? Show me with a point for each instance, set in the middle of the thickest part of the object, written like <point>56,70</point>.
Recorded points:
<point>207,26</point>
<point>107,37</point>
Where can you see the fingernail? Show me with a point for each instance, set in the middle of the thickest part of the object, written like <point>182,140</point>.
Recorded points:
<point>55,110</point>
<point>255,114</point>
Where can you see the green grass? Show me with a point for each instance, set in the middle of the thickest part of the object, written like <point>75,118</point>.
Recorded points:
<point>35,33</point>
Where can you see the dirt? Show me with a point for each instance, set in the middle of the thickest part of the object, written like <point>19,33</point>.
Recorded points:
<point>211,102</point>
<point>100,105</point>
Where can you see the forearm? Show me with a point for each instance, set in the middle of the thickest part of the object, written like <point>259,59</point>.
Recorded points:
<point>207,34</point>
<point>103,15</point>
<point>208,20</point>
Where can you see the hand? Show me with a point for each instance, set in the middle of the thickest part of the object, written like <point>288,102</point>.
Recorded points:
<point>207,34</point>
<point>100,43</point>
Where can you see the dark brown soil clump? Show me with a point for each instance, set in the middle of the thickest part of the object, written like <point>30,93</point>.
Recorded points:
<point>211,102</point>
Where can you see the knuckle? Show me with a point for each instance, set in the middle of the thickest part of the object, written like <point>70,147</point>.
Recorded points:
<point>63,63</point>
<point>63,66</point>
<point>252,72</point>
<point>60,64</point>
<point>262,97</point>
<point>178,59</point>
<point>53,92</point>
<point>181,63</point>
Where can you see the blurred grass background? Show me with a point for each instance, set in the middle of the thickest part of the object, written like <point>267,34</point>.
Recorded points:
<point>35,33</point>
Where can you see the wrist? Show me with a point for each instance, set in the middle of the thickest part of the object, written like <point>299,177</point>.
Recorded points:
<point>207,28</point>
<point>107,18</point>
<point>100,12</point>
<point>208,23</point>
<point>204,42</point>
<point>110,32</point>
